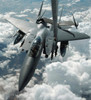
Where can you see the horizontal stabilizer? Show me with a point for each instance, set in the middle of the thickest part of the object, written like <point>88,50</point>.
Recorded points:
<point>63,23</point>
<point>64,36</point>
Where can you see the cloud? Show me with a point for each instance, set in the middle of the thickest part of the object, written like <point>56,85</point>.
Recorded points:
<point>26,10</point>
<point>3,64</point>
<point>63,79</point>
<point>47,7</point>
<point>7,86</point>
<point>75,74</point>
<point>10,50</point>
<point>46,92</point>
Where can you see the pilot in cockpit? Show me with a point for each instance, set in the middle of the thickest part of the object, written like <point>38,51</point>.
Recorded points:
<point>35,47</point>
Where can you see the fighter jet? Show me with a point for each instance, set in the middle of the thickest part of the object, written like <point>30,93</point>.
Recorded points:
<point>45,35</point>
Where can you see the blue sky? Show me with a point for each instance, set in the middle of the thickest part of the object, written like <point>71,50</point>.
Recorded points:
<point>20,5</point>
<point>16,5</point>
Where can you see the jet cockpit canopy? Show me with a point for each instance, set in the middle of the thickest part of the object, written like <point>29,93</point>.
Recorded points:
<point>35,47</point>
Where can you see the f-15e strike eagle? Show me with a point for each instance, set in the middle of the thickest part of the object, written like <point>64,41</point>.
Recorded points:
<point>48,33</point>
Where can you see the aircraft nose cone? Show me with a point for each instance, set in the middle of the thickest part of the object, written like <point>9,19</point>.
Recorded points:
<point>27,71</point>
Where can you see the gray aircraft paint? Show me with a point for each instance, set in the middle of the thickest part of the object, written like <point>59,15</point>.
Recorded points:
<point>28,69</point>
<point>58,34</point>
<point>30,62</point>
<point>54,4</point>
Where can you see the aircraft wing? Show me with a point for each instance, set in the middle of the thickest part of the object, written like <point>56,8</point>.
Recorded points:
<point>47,20</point>
<point>66,23</point>
<point>22,25</point>
<point>65,36</point>
<point>63,23</point>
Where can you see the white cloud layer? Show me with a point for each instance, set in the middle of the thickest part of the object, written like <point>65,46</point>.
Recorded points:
<point>67,78</point>
<point>46,92</point>
<point>76,74</point>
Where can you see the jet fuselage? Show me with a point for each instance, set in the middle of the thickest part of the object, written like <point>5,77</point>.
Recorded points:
<point>33,57</point>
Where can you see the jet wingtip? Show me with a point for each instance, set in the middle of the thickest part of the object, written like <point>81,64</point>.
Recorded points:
<point>87,36</point>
